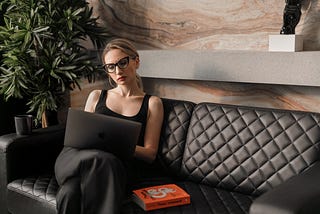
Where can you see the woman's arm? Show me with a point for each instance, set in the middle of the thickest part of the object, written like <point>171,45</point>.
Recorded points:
<point>92,100</point>
<point>148,152</point>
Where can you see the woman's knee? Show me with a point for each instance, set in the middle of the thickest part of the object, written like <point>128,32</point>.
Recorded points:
<point>100,159</point>
<point>67,164</point>
<point>75,163</point>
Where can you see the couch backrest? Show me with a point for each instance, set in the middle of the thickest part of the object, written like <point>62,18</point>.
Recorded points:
<point>249,150</point>
<point>177,115</point>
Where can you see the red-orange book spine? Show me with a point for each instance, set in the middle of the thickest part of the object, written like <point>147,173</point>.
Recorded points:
<point>157,197</point>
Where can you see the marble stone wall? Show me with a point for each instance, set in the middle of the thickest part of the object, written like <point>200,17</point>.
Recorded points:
<point>210,25</point>
<point>205,24</point>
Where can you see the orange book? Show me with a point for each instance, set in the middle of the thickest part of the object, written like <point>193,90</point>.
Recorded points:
<point>157,197</point>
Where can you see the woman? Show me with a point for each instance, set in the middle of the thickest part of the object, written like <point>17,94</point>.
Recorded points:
<point>93,181</point>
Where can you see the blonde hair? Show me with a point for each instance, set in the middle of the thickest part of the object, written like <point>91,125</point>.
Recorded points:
<point>127,47</point>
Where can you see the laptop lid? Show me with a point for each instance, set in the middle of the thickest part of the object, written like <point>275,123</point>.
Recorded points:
<point>85,130</point>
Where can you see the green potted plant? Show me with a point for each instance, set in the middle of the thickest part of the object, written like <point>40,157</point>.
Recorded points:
<point>42,53</point>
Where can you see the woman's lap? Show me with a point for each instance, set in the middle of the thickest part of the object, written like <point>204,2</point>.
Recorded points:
<point>70,162</point>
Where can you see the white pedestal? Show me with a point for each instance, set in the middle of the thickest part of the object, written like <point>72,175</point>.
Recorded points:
<point>285,43</point>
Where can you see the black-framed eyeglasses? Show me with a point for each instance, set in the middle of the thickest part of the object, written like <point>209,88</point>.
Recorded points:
<point>122,64</point>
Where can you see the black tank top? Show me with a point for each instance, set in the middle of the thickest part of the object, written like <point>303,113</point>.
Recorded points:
<point>140,117</point>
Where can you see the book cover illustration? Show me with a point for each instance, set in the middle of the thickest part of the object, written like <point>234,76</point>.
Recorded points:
<point>162,196</point>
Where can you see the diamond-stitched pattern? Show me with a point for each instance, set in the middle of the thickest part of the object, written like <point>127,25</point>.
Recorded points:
<point>177,116</point>
<point>249,150</point>
<point>40,187</point>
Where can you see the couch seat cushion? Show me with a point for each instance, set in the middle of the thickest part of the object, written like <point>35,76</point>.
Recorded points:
<point>38,194</point>
<point>35,194</point>
<point>204,199</point>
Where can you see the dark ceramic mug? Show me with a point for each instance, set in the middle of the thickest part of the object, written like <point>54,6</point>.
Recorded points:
<point>23,124</point>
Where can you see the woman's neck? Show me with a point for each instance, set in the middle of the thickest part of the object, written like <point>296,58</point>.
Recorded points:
<point>129,91</point>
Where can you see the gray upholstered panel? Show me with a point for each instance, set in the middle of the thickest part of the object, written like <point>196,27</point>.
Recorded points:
<point>249,150</point>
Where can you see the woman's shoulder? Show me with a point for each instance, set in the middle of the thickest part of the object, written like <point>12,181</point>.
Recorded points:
<point>155,102</point>
<point>95,93</point>
<point>92,100</point>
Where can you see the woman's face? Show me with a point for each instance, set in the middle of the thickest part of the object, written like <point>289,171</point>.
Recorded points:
<point>121,67</point>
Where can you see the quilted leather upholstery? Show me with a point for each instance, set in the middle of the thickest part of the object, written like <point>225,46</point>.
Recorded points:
<point>42,187</point>
<point>204,200</point>
<point>249,150</point>
<point>34,194</point>
<point>177,116</point>
<point>228,154</point>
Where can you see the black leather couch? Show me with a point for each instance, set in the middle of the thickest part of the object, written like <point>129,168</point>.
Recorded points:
<point>231,159</point>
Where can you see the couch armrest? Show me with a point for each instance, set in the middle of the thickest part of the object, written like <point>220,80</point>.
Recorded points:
<point>21,156</point>
<point>299,195</point>
<point>25,155</point>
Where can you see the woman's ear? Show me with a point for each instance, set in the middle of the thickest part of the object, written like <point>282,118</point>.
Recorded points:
<point>137,62</point>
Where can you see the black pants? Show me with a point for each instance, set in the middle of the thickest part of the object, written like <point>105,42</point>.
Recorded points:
<point>91,182</point>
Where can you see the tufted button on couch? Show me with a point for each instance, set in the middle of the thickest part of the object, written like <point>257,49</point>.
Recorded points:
<point>230,159</point>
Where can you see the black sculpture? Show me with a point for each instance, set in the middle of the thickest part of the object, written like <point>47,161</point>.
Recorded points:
<point>291,16</point>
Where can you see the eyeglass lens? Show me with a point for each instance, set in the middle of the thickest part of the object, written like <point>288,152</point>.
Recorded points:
<point>122,64</point>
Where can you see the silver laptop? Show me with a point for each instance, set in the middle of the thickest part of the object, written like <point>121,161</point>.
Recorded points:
<point>85,130</point>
